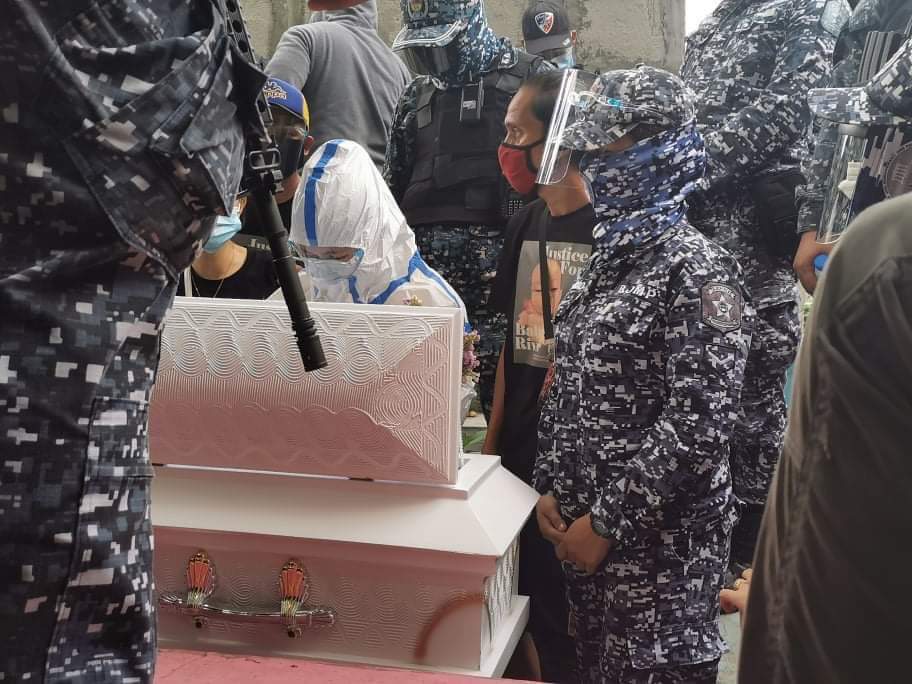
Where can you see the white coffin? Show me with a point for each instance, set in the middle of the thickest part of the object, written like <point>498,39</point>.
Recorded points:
<point>412,564</point>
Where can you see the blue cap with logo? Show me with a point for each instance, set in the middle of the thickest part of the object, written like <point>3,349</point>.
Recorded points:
<point>285,96</point>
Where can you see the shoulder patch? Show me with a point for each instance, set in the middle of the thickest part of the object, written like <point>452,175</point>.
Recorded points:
<point>836,14</point>
<point>721,307</point>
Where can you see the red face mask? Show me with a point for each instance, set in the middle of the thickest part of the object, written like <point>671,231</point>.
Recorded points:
<point>516,164</point>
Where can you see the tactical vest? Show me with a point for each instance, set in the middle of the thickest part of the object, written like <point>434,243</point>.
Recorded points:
<point>456,177</point>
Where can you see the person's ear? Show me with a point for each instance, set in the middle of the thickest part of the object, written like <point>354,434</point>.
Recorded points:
<point>308,145</point>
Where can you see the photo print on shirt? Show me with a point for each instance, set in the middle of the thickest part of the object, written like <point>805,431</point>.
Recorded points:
<point>566,260</point>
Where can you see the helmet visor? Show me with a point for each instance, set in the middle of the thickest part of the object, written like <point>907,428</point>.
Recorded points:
<point>431,60</point>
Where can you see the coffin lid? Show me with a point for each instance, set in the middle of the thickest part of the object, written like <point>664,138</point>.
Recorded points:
<point>480,515</point>
<point>232,392</point>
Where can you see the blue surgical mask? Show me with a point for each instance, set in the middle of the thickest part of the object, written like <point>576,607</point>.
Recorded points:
<point>226,227</point>
<point>565,61</point>
<point>333,269</point>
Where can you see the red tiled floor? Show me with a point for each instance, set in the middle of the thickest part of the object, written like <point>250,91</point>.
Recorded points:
<point>188,667</point>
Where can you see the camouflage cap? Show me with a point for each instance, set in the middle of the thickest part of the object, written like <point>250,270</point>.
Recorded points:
<point>435,22</point>
<point>886,100</point>
<point>624,99</point>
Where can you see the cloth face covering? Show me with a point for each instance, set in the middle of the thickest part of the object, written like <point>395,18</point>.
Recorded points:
<point>642,191</point>
<point>478,47</point>
<point>516,164</point>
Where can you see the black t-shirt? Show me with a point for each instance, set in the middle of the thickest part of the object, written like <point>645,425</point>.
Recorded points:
<point>517,294</point>
<point>256,279</point>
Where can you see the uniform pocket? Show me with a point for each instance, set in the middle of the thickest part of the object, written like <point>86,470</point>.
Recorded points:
<point>674,646</point>
<point>172,156</point>
<point>118,444</point>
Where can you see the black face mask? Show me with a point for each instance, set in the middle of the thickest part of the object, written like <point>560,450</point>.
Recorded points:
<point>292,152</point>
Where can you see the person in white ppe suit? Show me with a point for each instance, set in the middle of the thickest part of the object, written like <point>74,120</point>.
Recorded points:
<point>356,244</point>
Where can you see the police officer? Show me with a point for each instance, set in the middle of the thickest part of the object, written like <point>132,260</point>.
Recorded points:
<point>441,163</point>
<point>547,32</point>
<point>118,146</point>
<point>868,16</point>
<point>651,347</point>
<point>751,64</point>
<point>827,602</point>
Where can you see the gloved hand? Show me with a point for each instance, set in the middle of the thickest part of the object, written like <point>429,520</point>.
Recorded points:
<point>847,187</point>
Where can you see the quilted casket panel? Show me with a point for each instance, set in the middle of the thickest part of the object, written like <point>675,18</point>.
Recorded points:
<point>232,392</point>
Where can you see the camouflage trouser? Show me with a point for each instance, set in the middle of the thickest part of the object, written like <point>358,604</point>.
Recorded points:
<point>650,614</point>
<point>757,439</point>
<point>467,257</point>
<point>78,351</point>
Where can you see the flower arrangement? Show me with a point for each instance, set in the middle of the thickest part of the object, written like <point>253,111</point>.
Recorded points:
<point>470,362</point>
<point>470,339</point>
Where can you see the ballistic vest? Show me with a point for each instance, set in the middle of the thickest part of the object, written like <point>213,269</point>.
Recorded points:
<point>456,177</point>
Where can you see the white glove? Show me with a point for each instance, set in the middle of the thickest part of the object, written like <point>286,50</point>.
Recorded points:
<point>847,187</point>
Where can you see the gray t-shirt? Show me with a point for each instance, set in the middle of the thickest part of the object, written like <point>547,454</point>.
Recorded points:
<point>350,77</point>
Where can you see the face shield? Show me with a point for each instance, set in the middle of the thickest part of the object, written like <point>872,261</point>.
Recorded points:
<point>585,120</point>
<point>434,52</point>
<point>844,172</point>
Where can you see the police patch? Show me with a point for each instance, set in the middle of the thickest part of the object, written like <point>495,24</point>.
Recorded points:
<point>545,21</point>
<point>417,9</point>
<point>836,14</point>
<point>721,306</point>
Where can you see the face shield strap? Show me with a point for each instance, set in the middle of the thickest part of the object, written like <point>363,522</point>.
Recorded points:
<point>545,271</point>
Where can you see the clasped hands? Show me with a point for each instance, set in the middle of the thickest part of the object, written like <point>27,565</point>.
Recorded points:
<point>578,544</point>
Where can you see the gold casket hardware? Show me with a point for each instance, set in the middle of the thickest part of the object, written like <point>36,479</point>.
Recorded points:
<point>294,588</point>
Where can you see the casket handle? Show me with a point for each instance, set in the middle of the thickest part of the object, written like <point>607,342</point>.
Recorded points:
<point>294,585</point>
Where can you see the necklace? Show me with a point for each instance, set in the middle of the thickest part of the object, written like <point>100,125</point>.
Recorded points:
<point>215,295</point>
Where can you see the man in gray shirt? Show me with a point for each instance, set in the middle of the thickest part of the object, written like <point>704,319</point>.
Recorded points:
<point>350,78</point>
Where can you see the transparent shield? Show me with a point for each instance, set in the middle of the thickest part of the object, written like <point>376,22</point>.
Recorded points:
<point>575,88</point>
<point>837,212</point>
<point>586,117</point>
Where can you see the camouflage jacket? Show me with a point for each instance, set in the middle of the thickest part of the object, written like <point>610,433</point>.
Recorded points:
<point>869,15</point>
<point>651,346</point>
<point>400,151</point>
<point>751,65</point>
<point>132,104</point>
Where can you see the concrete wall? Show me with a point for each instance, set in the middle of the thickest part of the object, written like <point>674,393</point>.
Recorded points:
<point>613,33</point>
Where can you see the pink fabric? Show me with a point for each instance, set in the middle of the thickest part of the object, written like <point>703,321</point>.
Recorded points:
<point>180,667</point>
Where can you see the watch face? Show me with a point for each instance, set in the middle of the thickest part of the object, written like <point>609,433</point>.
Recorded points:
<point>599,528</point>
<point>898,177</point>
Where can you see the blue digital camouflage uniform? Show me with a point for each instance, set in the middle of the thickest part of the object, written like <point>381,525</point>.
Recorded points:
<point>751,65</point>
<point>869,15</point>
<point>117,145</point>
<point>651,348</point>
<point>466,255</point>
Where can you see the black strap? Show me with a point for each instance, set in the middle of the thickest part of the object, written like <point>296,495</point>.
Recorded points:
<point>545,280</point>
